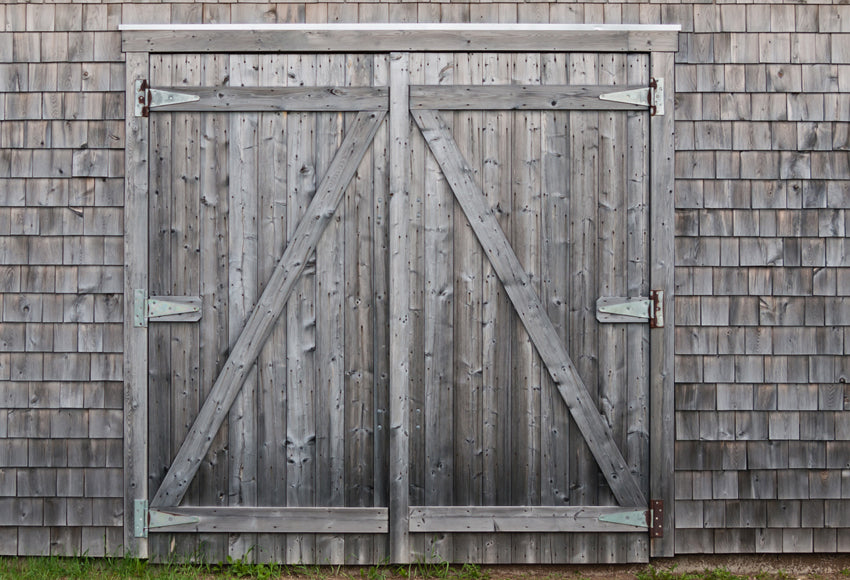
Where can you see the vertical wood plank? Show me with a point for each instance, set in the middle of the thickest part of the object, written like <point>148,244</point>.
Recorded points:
<point>661,278</point>
<point>330,327</point>
<point>439,326</point>
<point>271,364</point>
<point>359,355</point>
<point>636,444</point>
<point>381,285</point>
<point>135,276</point>
<point>497,313</point>
<point>159,337</point>
<point>359,344</point>
<point>243,289</point>
<point>467,316</point>
<point>555,268</point>
<point>399,308</point>
<point>583,293</point>
<point>301,319</point>
<point>419,470</point>
<point>526,364</point>
<point>611,276</point>
<point>184,249</point>
<point>416,184</point>
<point>214,335</point>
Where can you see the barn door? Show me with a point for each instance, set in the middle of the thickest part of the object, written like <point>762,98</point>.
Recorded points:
<point>529,382</point>
<point>264,202</point>
<point>276,270</point>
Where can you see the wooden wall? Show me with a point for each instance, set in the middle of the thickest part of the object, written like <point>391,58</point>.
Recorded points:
<point>763,183</point>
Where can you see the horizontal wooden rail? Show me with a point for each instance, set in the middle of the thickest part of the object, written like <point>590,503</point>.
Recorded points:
<point>527,519</point>
<point>397,38</point>
<point>245,99</point>
<point>514,97</point>
<point>266,520</point>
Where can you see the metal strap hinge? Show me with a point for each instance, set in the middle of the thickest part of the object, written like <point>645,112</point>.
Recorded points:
<point>164,308</point>
<point>146,519</point>
<point>651,96</point>
<point>617,309</point>
<point>140,518</point>
<point>636,518</point>
<point>148,98</point>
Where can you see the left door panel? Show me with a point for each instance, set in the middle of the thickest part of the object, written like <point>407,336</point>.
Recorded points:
<point>227,190</point>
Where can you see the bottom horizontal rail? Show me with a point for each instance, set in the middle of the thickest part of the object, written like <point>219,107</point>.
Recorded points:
<point>266,520</point>
<point>528,519</point>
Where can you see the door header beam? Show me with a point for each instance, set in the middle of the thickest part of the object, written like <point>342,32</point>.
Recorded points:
<point>397,37</point>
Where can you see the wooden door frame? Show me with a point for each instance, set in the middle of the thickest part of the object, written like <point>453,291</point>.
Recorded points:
<point>140,41</point>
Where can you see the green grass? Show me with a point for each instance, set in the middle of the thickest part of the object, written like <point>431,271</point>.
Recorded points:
<point>82,567</point>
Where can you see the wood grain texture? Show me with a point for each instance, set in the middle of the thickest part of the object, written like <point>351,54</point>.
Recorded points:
<point>529,308</point>
<point>470,40</point>
<point>517,97</point>
<point>272,367</point>
<point>160,401</point>
<point>136,276</point>
<point>270,304</point>
<point>518,519</point>
<point>214,324</point>
<point>243,291</point>
<point>399,303</point>
<point>661,189</point>
<point>251,520</point>
<point>264,98</point>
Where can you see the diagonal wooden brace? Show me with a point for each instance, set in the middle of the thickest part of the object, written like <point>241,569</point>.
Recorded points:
<point>269,308</point>
<point>534,317</point>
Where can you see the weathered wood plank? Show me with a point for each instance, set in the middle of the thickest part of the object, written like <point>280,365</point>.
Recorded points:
<point>497,313</point>
<point>243,290</point>
<point>438,310</point>
<point>518,97</point>
<point>359,292</point>
<point>521,519</point>
<point>269,520</point>
<point>611,275</point>
<point>330,325</point>
<point>661,412</point>
<point>399,124</point>
<point>301,318</point>
<point>160,451</point>
<point>389,38</point>
<point>467,267</point>
<point>555,264</point>
<point>526,368</point>
<point>269,307</point>
<point>637,209</point>
<point>135,276</point>
<point>381,285</point>
<point>264,98</point>
<point>185,277</point>
<point>530,309</point>
<point>271,364</point>
<point>582,341</point>
<point>419,470</point>
<point>214,328</point>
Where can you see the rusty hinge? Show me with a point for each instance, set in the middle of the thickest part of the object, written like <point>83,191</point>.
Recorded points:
<point>656,516</point>
<point>618,309</point>
<point>142,98</point>
<point>651,96</point>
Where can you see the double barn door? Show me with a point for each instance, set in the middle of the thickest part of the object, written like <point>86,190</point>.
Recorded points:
<point>373,315</point>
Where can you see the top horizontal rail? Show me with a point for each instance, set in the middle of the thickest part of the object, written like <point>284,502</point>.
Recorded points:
<point>446,37</point>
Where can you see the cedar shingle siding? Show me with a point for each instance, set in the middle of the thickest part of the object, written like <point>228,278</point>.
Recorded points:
<point>762,262</point>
